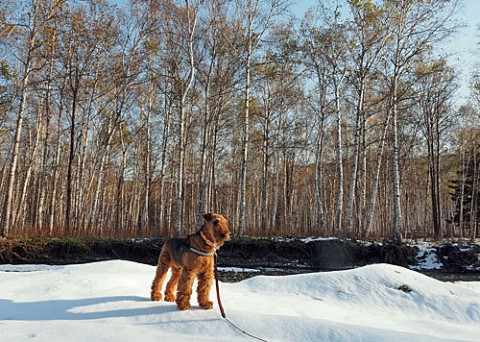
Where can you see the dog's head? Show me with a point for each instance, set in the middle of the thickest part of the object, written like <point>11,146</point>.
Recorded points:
<point>216,228</point>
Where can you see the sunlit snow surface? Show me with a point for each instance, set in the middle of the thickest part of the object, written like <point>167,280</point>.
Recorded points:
<point>109,301</point>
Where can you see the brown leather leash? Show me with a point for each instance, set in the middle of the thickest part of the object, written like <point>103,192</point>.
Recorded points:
<point>219,301</point>
<point>222,310</point>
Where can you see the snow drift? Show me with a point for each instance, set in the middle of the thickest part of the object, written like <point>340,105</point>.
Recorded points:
<point>109,301</point>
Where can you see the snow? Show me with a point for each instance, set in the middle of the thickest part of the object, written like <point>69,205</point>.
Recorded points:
<point>109,301</point>
<point>427,258</point>
<point>238,270</point>
<point>306,239</point>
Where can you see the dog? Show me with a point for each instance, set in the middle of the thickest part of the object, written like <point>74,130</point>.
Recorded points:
<point>190,258</point>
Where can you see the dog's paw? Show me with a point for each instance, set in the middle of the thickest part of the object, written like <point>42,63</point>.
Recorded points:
<point>183,306</point>
<point>206,305</point>
<point>169,297</point>
<point>155,296</point>
<point>183,302</point>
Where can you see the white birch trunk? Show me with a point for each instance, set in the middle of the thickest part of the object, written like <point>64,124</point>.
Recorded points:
<point>9,201</point>
<point>356,156</point>
<point>163,158</point>
<point>339,149</point>
<point>395,168</point>
<point>373,197</point>
<point>183,116</point>
<point>246,126</point>
<point>55,176</point>
<point>101,174</point>
<point>21,214</point>
<point>46,135</point>
<point>265,158</point>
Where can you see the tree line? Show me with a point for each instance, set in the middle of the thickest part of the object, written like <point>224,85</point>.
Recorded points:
<point>131,121</point>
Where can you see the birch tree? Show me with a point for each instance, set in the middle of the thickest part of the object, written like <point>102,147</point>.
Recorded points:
<point>368,42</point>
<point>256,17</point>
<point>188,33</point>
<point>79,58</point>
<point>50,54</point>
<point>217,66</point>
<point>39,14</point>
<point>414,26</point>
<point>316,62</point>
<point>435,84</point>
<point>327,50</point>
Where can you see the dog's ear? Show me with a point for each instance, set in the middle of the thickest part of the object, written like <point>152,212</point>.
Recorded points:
<point>226,218</point>
<point>208,216</point>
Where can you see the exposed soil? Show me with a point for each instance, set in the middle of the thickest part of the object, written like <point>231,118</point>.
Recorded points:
<point>261,256</point>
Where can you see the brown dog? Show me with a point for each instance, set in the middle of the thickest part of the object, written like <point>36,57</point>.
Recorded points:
<point>191,257</point>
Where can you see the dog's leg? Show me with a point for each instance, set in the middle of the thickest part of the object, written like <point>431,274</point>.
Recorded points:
<point>205,281</point>
<point>172,284</point>
<point>185,289</point>
<point>164,261</point>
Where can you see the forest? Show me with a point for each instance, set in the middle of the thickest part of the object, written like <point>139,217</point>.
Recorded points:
<point>132,120</point>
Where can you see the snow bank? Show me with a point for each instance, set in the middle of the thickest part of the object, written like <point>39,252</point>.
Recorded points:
<point>108,301</point>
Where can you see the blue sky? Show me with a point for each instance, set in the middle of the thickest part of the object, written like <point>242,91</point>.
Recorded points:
<point>465,46</point>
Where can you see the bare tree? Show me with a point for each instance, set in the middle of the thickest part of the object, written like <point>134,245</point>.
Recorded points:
<point>414,25</point>
<point>189,34</point>
<point>39,16</point>
<point>369,40</point>
<point>257,18</point>
<point>435,87</point>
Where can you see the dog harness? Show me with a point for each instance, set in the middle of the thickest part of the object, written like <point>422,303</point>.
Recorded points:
<point>202,253</point>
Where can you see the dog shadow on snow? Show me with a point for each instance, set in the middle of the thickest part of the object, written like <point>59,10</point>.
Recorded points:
<point>82,309</point>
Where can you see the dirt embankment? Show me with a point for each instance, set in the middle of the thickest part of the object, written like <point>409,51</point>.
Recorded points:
<point>320,255</point>
<point>270,256</point>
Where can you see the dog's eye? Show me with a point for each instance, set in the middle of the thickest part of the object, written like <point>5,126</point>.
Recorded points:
<point>223,235</point>
<point>215,222</point>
